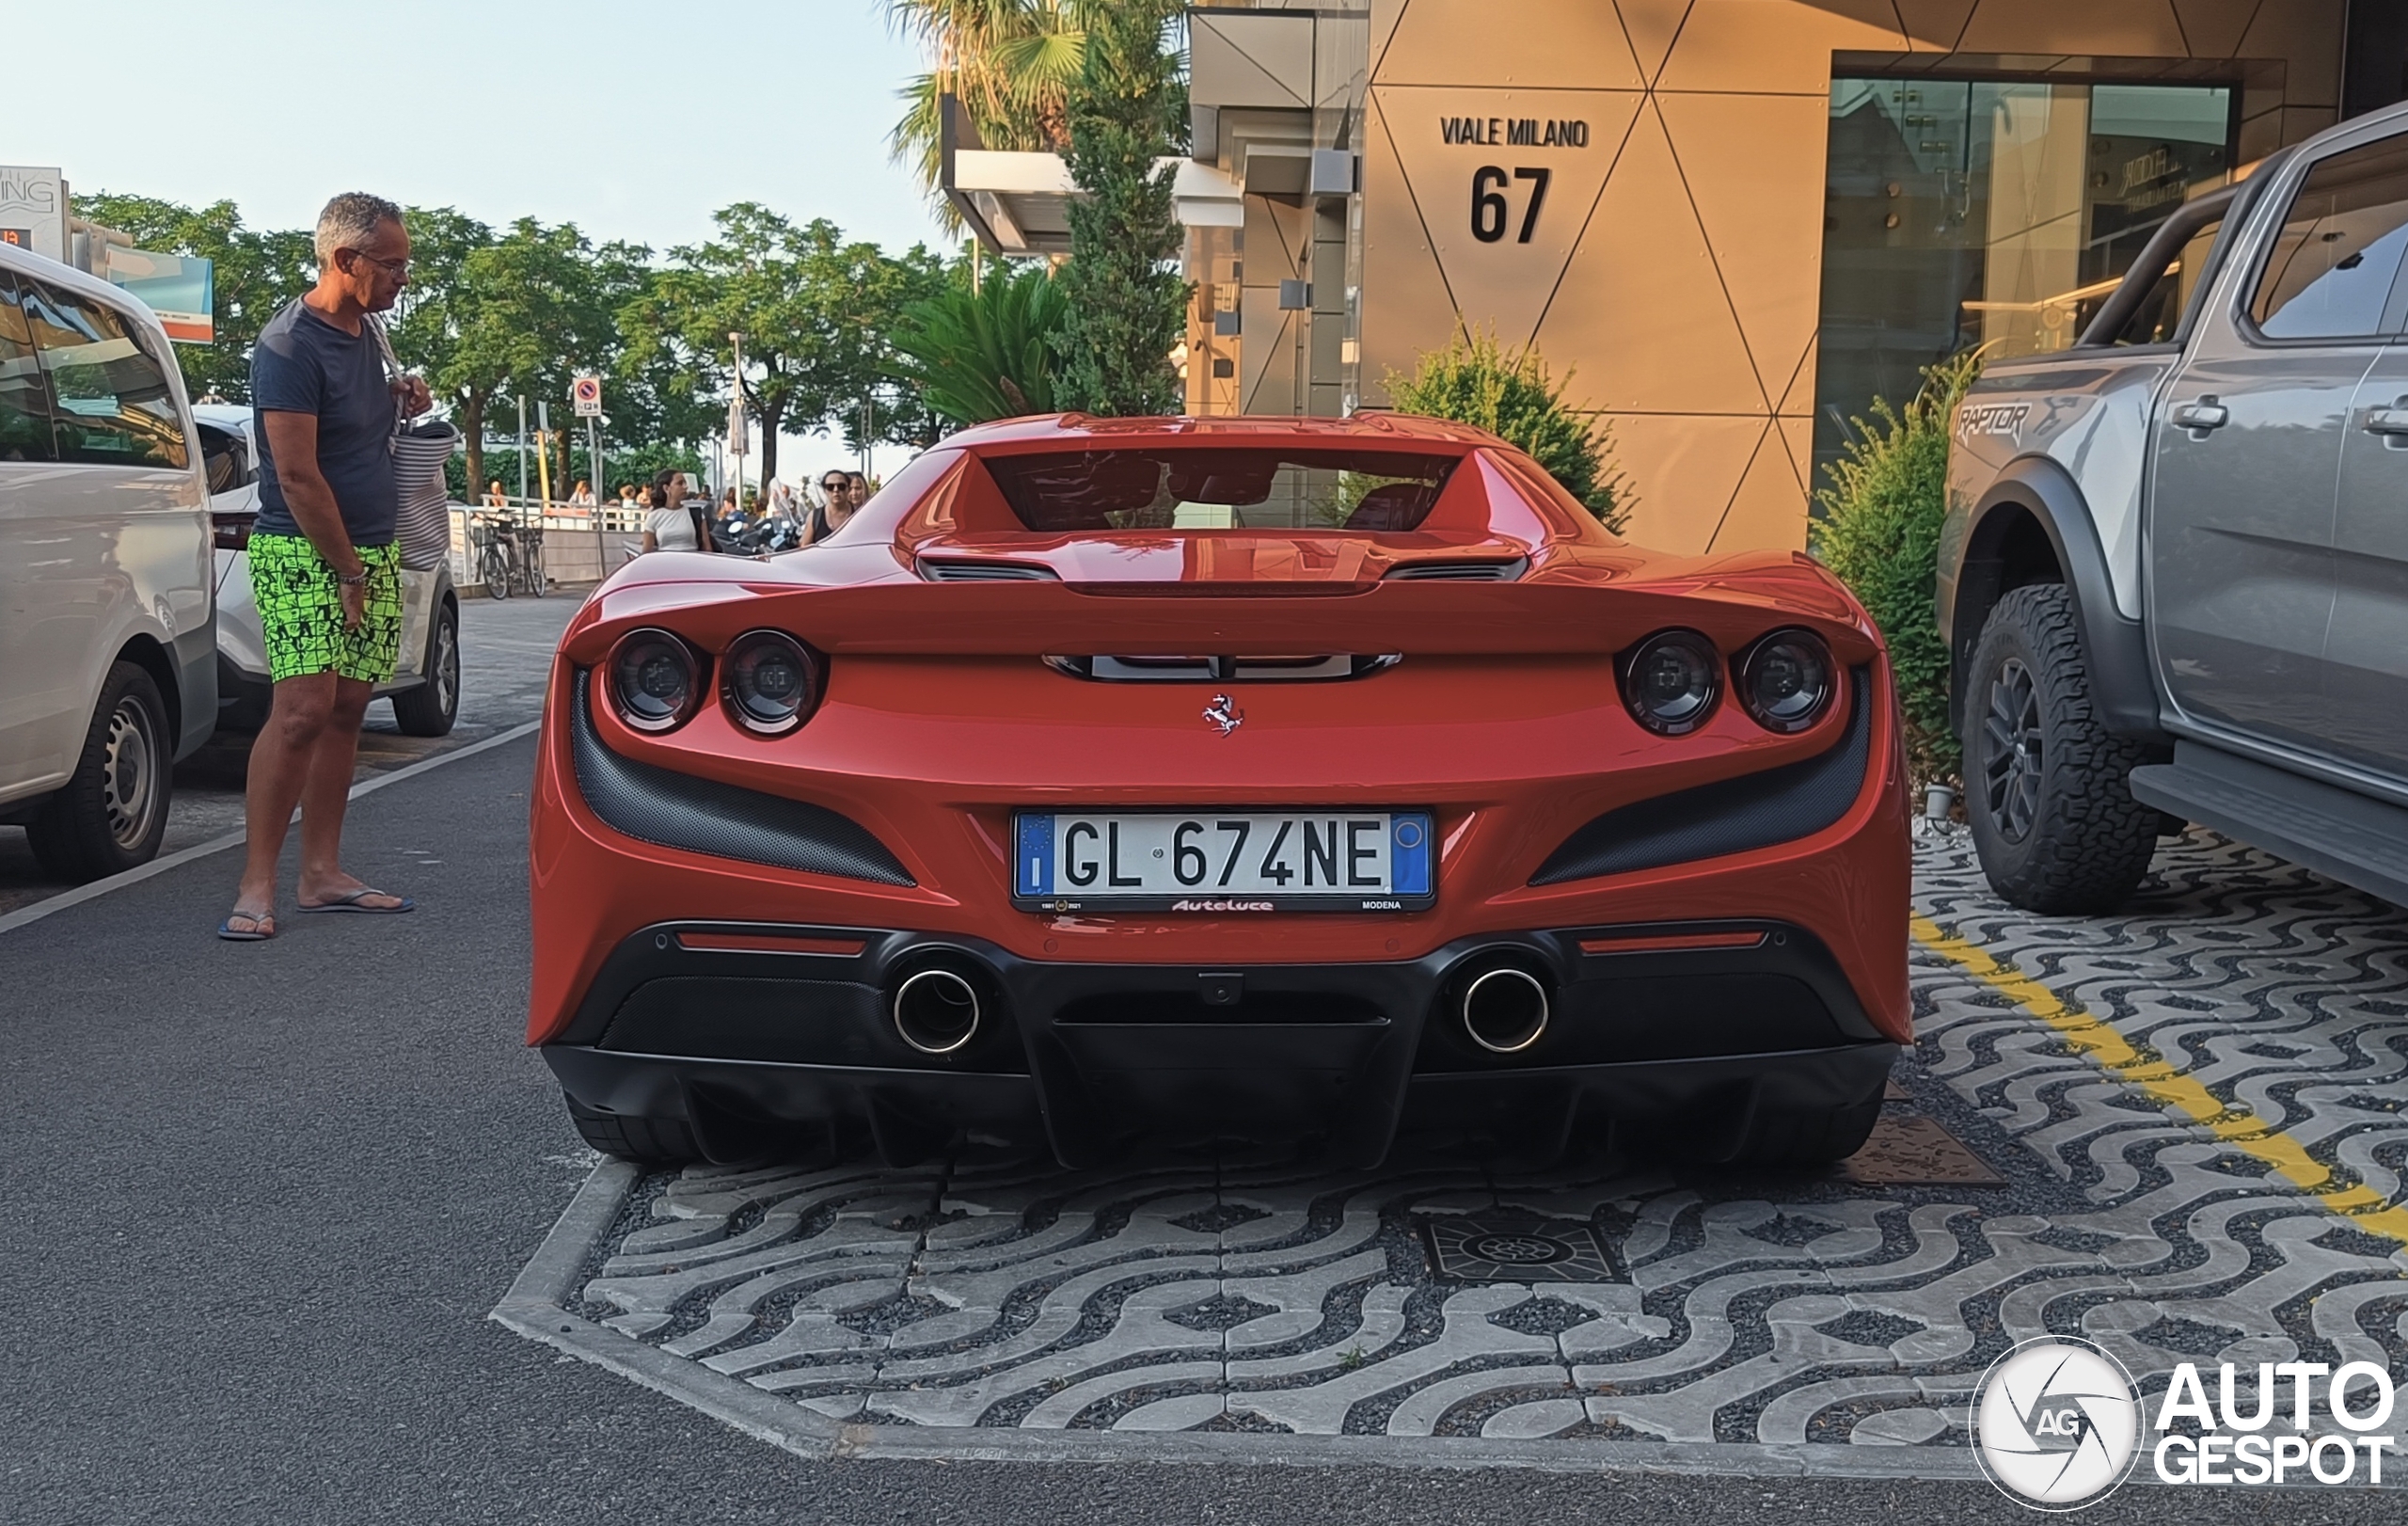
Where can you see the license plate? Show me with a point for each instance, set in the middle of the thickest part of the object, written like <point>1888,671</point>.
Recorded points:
<point>1216,861</point>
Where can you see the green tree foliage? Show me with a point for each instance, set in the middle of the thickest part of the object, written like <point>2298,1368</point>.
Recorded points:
<point>1127,306</point>
<point>1472,380</point>
<point>1880,533</point>
<point>1010,66</point>
<point>256,273</point>
<point>521,312</point>
<point>814,310</point>
<point>976,355</point>
<point>633,464</point>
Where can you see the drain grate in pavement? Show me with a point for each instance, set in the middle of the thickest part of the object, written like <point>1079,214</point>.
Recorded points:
<point>1506,1249</point>
<point>1912,1151</point>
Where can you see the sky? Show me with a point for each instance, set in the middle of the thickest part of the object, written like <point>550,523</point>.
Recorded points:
<point>632,121</point>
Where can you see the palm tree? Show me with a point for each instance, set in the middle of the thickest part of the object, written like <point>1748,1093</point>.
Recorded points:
<point>1011,64</point>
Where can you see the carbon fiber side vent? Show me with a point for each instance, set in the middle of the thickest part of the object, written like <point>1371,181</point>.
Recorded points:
<point>935,571</point>
<point>1729,816</point>
<point>1459,572</point>
<point>669,809</point>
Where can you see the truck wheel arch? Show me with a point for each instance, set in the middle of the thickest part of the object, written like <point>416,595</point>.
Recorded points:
<point>2033,526</point>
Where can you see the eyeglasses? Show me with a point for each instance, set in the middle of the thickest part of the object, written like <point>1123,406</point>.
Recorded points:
<point>390,268</point>
<point>834,484</point>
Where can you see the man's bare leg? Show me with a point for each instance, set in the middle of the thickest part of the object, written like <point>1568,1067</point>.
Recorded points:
<point>281,766</point>
<point>324,796</point>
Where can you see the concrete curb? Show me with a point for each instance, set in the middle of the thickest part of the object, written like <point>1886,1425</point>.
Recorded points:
<point>536,1308</point>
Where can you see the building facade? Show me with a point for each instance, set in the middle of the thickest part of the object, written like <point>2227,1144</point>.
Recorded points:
<point>1731,224</point>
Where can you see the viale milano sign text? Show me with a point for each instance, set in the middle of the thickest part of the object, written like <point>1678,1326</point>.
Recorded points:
<point>1515,132</point>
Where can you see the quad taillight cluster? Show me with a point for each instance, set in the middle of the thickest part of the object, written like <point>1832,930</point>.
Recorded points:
<point>1672,680</point>
<point>769,682</point>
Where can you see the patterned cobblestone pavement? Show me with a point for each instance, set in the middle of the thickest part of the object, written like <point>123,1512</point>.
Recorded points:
<point>1242,1296</point>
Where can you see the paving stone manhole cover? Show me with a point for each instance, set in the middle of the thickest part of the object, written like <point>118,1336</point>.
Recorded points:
<point>1517,1250</point>
<point>1440,1309</point>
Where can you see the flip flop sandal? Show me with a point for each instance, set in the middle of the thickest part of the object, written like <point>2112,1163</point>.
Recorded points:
<point>227,931</point>
<point>350,901</point>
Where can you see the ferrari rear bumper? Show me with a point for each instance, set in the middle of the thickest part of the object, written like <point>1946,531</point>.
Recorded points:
<point>759,1035</point>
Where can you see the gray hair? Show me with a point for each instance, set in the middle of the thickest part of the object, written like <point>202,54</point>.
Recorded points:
<point>349,220</point>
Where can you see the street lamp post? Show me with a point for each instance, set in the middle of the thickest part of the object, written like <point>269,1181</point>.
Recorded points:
<point>522,450</point>
<point>736,417</point>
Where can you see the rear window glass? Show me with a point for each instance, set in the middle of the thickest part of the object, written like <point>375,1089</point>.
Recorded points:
<point>1223,489</point>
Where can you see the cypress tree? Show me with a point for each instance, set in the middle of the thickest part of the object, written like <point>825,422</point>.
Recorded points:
<point>1127,308</point>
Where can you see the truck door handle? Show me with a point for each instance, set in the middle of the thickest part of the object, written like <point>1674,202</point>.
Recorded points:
<point>2200,417</point>
<point>2390,421</point>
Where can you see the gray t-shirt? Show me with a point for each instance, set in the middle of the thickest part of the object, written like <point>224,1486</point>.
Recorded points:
<point>304,364</point>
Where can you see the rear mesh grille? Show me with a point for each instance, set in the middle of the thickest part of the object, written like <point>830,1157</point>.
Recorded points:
<point>669,809</point>
<point>985,572</point>
<point>1729,816</point>
<point>1459,572</point>
<point>1107,668</point>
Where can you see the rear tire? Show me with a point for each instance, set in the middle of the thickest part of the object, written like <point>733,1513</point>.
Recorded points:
<point>111,814</point>
<point>429,709</point>
<point>494,568</point>
<point>645,1141</point>
<point>1802,1139</point>
<point>2047,787</point>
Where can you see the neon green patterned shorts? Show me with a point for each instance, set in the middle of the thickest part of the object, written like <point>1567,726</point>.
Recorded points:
<point>300,607</point>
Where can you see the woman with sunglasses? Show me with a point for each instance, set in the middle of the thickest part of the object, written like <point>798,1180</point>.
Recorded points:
<point>828,518</point>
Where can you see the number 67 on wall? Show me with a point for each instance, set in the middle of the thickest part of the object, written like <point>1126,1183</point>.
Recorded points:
<point>1488,209</point>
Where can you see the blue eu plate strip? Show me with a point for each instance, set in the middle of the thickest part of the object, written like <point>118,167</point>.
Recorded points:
<point>1409,855</point>
<point>1035,874</point>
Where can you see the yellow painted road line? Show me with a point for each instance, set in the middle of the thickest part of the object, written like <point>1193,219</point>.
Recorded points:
<point>2236,1126</point>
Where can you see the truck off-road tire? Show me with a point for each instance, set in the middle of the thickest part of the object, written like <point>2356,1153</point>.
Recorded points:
<point>1800,1138</point>
<point>111,814</point>
<point>2047,787</point>
<point>646,1141</point>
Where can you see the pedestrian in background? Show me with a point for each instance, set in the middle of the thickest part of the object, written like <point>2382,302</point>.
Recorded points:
<point>674,522</point>
<point>860,487</point>
<point>495,497</point>
<point>830,517</point>
<point>325,568</point>
<point>582,496</point>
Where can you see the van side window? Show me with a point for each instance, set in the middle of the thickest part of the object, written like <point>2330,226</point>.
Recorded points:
<point>2329,274</point>
<point>112,402</point>
<point>24,405</point>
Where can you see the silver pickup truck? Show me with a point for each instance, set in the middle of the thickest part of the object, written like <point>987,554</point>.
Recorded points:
<point>2174,571</point>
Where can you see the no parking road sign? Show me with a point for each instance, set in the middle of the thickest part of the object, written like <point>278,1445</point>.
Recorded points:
<point>586,392</point>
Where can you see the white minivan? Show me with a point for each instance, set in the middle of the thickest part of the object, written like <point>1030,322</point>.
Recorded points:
<point>108,642</point>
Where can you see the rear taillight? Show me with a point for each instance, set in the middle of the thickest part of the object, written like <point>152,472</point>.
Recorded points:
<point>230,532</point>
<point>1786,681</point>
<point>655,680</point>
<point>771,682</point>
<point>1671,682</point>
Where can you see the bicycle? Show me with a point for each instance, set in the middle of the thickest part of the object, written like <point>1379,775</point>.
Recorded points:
<point>510,557</point>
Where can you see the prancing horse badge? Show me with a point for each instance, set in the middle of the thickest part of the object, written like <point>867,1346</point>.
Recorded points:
<point>1224,714</point>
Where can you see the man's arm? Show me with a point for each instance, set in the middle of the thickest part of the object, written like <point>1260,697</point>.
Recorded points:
<point>292,442</point>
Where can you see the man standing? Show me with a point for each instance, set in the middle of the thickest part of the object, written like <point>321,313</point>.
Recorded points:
<point>325,572</point>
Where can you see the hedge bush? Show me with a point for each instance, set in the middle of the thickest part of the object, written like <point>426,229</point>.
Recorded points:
<point>1880,533</point>
<point>1472,380</point>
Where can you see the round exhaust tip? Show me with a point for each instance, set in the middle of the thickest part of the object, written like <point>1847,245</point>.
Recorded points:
<point>1504,1010</point>
<point>936,1012</point>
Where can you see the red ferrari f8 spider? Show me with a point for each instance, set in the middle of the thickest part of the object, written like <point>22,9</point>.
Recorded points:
<point>1213,780</point>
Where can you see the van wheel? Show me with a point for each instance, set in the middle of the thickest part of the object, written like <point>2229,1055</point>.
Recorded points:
<point>111,814</point>
<point>429,709</point>
<point>2047,787</point>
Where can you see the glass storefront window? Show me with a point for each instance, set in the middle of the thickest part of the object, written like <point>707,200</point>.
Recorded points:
<point>1994,213</point>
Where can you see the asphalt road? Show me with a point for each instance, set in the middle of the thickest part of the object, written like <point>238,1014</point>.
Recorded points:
<point>260,1197</point>
<point>505,651</point>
